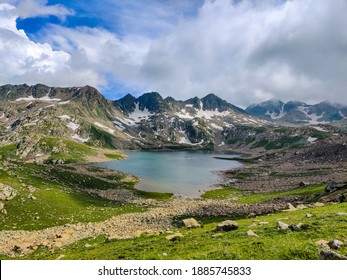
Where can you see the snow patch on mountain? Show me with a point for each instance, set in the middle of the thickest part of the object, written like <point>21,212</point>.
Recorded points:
<point>342,115</point>
<point>137,115</point>
<point>64,117</point>
<point>314,118</point>
<point>111,131</point>
<point>275,116</point>
<point>78,138</point>
<point>31,123</point>
<point>44,99</point>
<point>215,126</point>
<point>210,114</point>
<point>184,139</point>
<point>319,128</point>
<point>311,139</point>
<point>119,125</point>
<point>184,115</point>
<point>221,144</point>
<point>73,126</point>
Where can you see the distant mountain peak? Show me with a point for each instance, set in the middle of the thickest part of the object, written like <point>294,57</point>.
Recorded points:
<point>298,112</point>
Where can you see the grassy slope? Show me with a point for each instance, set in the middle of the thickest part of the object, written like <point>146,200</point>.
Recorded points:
<point>56,201</point>
<point>247,197</point>
<point>72,152</point>
<point>58,197</point>
<point>205,243</point>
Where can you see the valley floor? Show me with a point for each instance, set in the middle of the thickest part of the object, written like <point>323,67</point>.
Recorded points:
<point>82,212</point>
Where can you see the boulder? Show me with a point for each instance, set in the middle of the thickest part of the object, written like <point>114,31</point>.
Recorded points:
<point>341,213</point>
<point>174,237</point>
<point>335,244</point>
<point>318,204</point>
<point>298,227</point>
<point>301,207</point>
<point>191,223</point>
<point>330,187</point>
<point>343,198</point>
<point>330,255</point>
<point>290,208</point>
<point>309,215</point>
<point>30,196</point>
<point>251,233</point>
<point>322,243</point>
<point>227,225</point>
<point>282,226</point>
<point>6,192</point>
<point>2,206</point>
<point>31,188</point>
<point>303,184</point>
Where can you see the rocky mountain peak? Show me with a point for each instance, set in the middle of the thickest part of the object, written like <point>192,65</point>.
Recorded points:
<point>152,101</point>
<point>213,102</point>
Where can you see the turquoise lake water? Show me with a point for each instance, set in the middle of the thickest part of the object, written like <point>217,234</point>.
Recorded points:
<point>184,173</point>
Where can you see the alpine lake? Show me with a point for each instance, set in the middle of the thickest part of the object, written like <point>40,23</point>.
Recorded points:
<point>183,173</point>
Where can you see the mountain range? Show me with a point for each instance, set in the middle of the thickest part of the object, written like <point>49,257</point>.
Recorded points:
<point>40,119</point>
<point>298,112</point>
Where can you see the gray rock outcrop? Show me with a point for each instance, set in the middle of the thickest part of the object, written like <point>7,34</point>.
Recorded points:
<point>227,225</point>
<point>6,192</point>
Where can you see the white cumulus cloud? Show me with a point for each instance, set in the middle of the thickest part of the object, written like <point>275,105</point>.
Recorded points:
<point>244,51</point>
<point>25,61</point>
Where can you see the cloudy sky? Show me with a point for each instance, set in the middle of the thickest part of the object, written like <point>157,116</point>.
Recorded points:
<point>245,51</point>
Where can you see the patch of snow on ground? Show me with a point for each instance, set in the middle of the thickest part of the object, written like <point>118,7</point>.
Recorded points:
<point>64,117</point>
<point>313,117</point>
<point>275,116</point>
<point>78,138</point>
<point>189,105</point>
<point>30,98</point>
<point>137,115</point>
<point>48,99</point>
<point>319,129</point>
<point>49,106</point>
<point>215,126</point>
<point>119,125</point>
<point>184,115</point>
<point>127,121</point>
<point>184,139</point>
<point>130,136</point>
<point>44,98</point>
<point>31,123</point>
<point>73,126</point>
<point>111,131</point>
<point>342,115</point>
<point>209,114</point>
<point>311,139</point>
<point>64,102</point>
<point>221,144</point>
